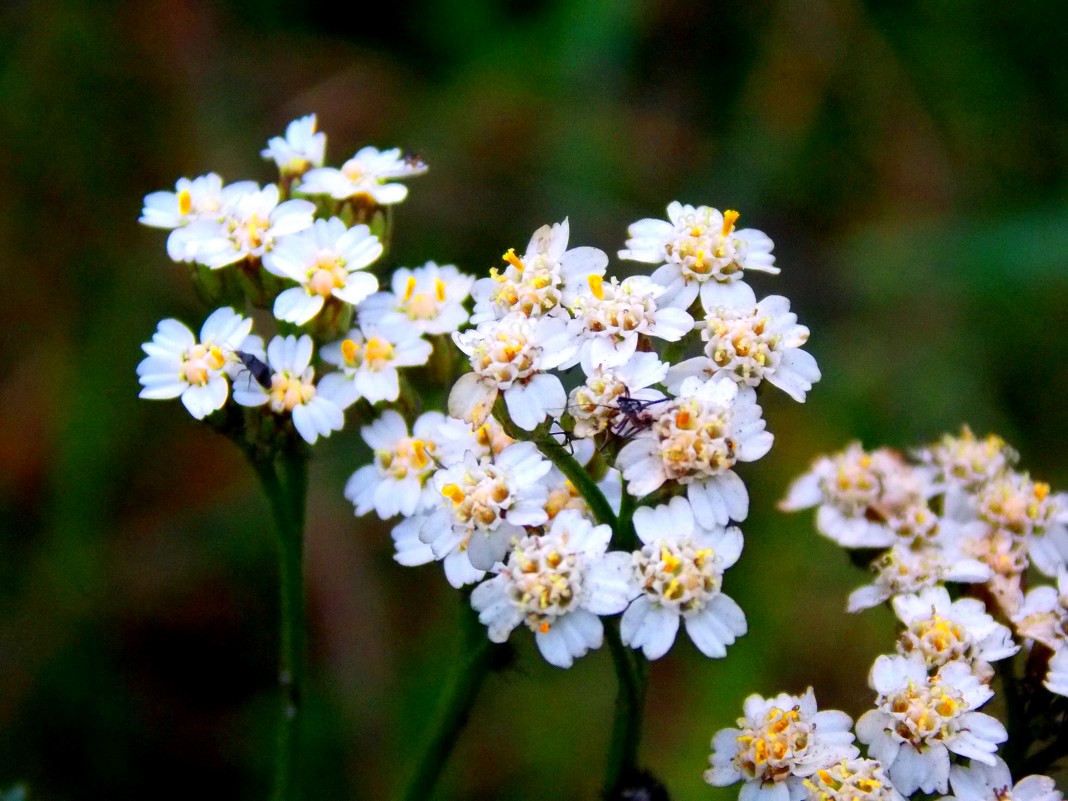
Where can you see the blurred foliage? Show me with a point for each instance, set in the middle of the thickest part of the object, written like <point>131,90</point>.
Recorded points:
<point>909,159</point>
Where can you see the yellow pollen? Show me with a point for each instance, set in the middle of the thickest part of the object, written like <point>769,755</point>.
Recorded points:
<point>439,290</point>
<point>513,259</point>
<point>544,627</point>
<point>671,562</point>
<point>419,450</point>
<point>349,349</point>
<point>696,231</point>
<point>554,559</point>
<point>215,358</point>
<point>409,288</point>
<point>699,262</point>
<point>730,217</point>
<point>185,202</point>
<point>674,589</point>
<point>682,418</point>
<point>596,286</point>
<point>453,493</point>
<point>496,276</point>
<point>378,349</point>
<point>1041,490</point>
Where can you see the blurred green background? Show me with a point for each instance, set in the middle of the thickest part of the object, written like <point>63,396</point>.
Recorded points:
<point>909,160</point>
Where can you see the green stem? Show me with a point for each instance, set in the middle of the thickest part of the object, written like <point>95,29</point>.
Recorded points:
<point>285,482</point>
<point>1016,747</point>
<point>564,462</point>
<point>472,668</point>
<point>631,675</point>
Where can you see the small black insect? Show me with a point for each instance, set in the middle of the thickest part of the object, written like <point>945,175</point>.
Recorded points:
<point>256,367</point>
<point>634,410</point>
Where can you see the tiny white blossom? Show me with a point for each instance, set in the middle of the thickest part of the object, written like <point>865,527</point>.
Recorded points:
<point>903,569</point>
<point>942,630</point>
<point>397,481</point>
<point>678,575</point>
<point>327,260</point>
<point>594,405</point>
<point>968,462</point>
<point>179,366</point>
<point>485,502</point>
<point>981,782</point>
<point>541,282</point>
<point>1057,677</point>
<point>852,780</point>
<point>429,298</point>
<point>1029,512</point>
<point>1043,615</point>
<point>750,342</point>
<point>557,584</point>
<point>510,356</point>
<point>612,315</point>
<point>317,409</point>
<point>695,439</point>
<point>779,743</point>
<point>302,147</point>
<point>369,358</point>
<point>918,720</point>
<point>701,252</point>
<point>251,224</point>
<point>369,173</point>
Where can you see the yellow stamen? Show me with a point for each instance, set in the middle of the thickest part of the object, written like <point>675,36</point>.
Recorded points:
<point>349,349</point>
<point>409,288</point>
<point>544,627</point>
<point>215,358</point>
<point>185,202</point>
<point>730,217</point>
<point>419,451</point>
<point>453,493</point>
<point>513,259</point>
<point>378,349</point>
<point>596,286</point>
<point>1041,490</point>
<point>439,290</point>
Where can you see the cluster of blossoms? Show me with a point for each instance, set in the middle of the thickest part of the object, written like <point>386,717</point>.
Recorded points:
<point>301,247</point>
<point>614,493</point>
<point>958,512</point>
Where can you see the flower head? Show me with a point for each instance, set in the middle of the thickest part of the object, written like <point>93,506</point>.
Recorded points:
<point>851,780</point>
<point>983,782</point>
<point>429,298</point>
<point>368,173</point>
<point>300,149</point>
<point>369,357</point>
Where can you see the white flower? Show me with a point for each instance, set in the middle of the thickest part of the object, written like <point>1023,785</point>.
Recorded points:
<point>594,405</point>
<point>1057,677</point>
<point>300,149</point>
<point>852,780</point>
<point>866,500</point>
<point>750,342</point>
<point>1043,615</point>
<point>510,356</point>
<point>317,410</point>
<point>366,173</point>
<point>941,630</point>
<point>981,782</point>
<point>396,483</point>
<point>679,573</point>
<point>542,281</point>
<point>613,315</point>
<point>779,742</point>
<point>429,298</point>
<point>369,359</point>
<point>179,366</point>
<point>700,252</point>
<point>968,462</point>
<point>695,439</point>
<point>1027,510</point>
<point>557,584</point>
<point>485,502</point>
<point>252,222</point>
<point>919,720</point>
<point>903,569</point>
<point>327,260</point>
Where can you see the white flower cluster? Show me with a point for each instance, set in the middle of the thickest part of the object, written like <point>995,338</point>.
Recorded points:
<point>313,257</point>
<point>497,512</point>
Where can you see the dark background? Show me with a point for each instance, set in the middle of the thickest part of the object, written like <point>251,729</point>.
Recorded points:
<point>907,158</point>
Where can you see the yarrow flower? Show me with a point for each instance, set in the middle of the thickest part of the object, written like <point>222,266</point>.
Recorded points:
<point>1043,615</point>
<point>902,570</point>
<point>543,281</point>
<point>180,366</point>
<point>594,405</point>
<point>919,720</point>
<point>1028,511</point>
<point>368,173</point>
<point>678,575</point>
<point>557,584</point>
<point>316,409</point>
<point>429,299</point>
<point>327,260</point>
<point>968,462</point>
<point>301,147</point>
<point>943,631</point>
<point>779,743</point>
<point>701,252</point>
<point>510,356</point>
<point>852,780</point>
<point>369,358</point>
<point>695,440</point>
<point>750,342</point>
